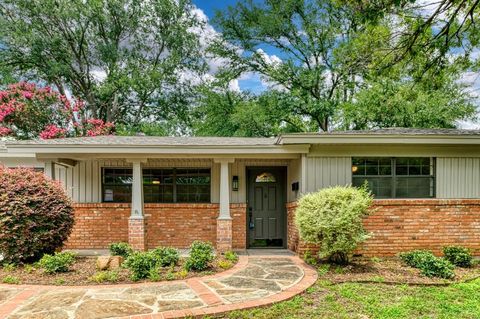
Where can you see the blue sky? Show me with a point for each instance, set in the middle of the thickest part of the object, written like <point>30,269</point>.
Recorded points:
<point>249,82</point>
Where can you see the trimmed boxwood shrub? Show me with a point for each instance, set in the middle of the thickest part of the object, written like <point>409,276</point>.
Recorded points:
<point>59,262</point>
<point>36,215</point>
<point>120,249</point>
<point>416,258</point>
<point>428,264</point>
<point>459,256</point>
<point>140,264</point>
<point>201,254</point>
<point>332,219</point>
<point>166,256</point>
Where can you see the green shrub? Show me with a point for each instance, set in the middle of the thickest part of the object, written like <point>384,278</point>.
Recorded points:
<point>140,264</point>
<point>332,219</point>
<point>104,276</point>
<point>121,249</point>
<point>225,264</point>
<point>9,267</point>
<point>438,267</point>
<point>416,258</point>
<point>11,280</point>
<point>59,262</point>
<point>459,256</point>
<point>36,215</point>
<point>428,264</point>
<point>201,254</point>
<point>166,256</point>
<point>231,256</point>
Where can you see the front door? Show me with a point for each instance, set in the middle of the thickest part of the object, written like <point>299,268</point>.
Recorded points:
<point>266,220</point>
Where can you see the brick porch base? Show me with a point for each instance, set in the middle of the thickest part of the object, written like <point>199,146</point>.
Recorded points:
<point>97,225</point>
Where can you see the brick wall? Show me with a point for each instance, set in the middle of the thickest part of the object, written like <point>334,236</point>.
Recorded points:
<point>178,225</point>
<point>406,224</point>
<point>239,215</point>
<point>99,224</point>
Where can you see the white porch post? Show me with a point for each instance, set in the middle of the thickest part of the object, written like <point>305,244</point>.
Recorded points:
<point>137,190</point>
<point>136,223</point>
<point>224,221</point>
<point>49,169</point>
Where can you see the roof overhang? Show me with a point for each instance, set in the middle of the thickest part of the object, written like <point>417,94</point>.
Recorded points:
<point>297,139</point>
<point>152,151</point>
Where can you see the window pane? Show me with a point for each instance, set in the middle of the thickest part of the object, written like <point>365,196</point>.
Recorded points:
<point>193,185</point>
<point>117,185</point>
<point>414,187</point>
<point>381,187</point>
<point>413,166</point>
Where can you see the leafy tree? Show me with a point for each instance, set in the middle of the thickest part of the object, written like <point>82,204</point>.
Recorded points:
<point>28,111</point>
<point>428,27</point>
<point>333,62</point>
<point>130,60</point>
<point>223,112</point>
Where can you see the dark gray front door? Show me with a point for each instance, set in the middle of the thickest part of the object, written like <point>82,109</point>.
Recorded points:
<point>266,221</point>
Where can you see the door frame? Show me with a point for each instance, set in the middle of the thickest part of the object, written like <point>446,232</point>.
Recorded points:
<point>284,171</point>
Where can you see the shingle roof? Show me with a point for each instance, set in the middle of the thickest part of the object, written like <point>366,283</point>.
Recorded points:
<point>152,141</point>
<point>398,131</point>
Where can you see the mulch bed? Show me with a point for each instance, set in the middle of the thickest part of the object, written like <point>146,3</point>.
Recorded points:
<point>389,271</point>
<point>85,267</point>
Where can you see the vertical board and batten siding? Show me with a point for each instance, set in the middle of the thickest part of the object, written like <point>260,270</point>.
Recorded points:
<point>458,177</point>
<point>322,172</point>
<point>83,181</point>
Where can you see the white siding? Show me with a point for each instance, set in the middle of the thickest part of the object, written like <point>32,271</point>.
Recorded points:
<point>322,172</point>
<point>458,177</point>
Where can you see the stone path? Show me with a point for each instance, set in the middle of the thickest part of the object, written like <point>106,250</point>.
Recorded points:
<point>254,281</point>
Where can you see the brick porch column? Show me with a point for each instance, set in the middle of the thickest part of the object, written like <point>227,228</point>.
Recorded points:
<point>136,223</point>
<point>224,221</point>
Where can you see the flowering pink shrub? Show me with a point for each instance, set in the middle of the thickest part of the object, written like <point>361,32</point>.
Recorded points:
<point>36,216</point>
<point>28,111</point>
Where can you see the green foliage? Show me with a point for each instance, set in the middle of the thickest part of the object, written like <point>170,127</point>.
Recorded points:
<point>335,66</point>
<point>388,102</point>
<point>104,276</point>
<point>120,249</point>
<point>59,262</point>
<point>141,264</point>
<point>459,256</point>
<point>230,256</point>
<point>428,264</point>
<point>309,258</point>
<point>36,215</point>
<point>332,218</point>
<point>225,264</point>
<point>166,256</point>
<point>201,254</point>
<point>12,280</point>
<point>9,267</point>
<point>124,58</point>
<point>416,258</point>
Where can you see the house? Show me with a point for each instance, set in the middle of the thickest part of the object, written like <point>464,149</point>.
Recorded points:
<point>241,192</point>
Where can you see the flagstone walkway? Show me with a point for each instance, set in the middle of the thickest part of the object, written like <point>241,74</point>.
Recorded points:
<point>254,281</point>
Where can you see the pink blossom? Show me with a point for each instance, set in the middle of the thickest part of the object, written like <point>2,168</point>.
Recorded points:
<point>4,131</point>
<point>27,95</point>
<point>52,131</point>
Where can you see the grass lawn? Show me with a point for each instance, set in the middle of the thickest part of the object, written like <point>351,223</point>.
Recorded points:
<point>376,300</point>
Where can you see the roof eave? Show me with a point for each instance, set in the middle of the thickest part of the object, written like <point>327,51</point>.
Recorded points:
<point>378,139</point>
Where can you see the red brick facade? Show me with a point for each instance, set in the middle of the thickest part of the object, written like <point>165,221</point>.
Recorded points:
<point>177,225</point>
<point>406,224</point>
<point>99,224</point>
